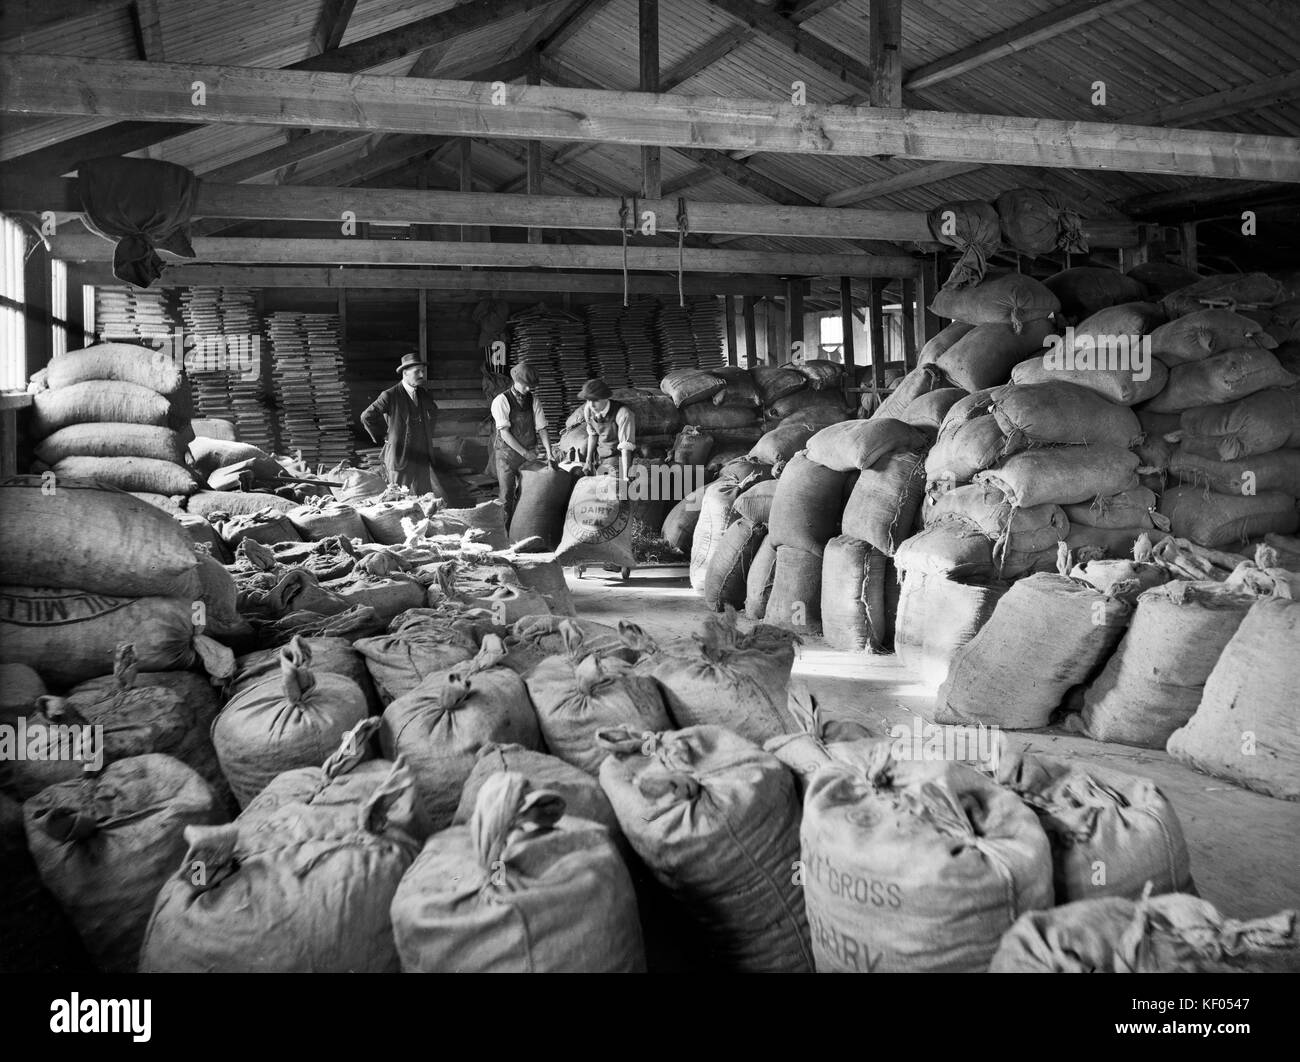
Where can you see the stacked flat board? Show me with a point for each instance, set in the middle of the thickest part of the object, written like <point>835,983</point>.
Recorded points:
<point>133,313</point>
<point>676,338</point>
<point>708,332</point>
<point>555,344</point>
<point>307,374</point>
<point>225,360</point>
<point>636,329</point>
<point>604,347</point>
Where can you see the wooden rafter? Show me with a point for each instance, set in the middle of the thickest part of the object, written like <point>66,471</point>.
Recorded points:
<point>359,251</point>
<point>331,25</point>
<point>443,280</point>
<point>62,85</point>
<point>122,138</point>
<point>1044,27</point>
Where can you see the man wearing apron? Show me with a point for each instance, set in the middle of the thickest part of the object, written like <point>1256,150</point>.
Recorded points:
<point>520,421</point>
<point>406,416</point>
<point>611,430</point>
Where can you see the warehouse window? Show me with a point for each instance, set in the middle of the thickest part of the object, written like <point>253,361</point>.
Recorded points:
<point>13,323</point>
<point>832,331</point>
<point>59,306</point>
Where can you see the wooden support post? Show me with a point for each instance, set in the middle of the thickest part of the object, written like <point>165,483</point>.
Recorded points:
<point>926,290</point>
<point>37,283</point>
<point>909,323</point>
<point>774,327</point>
<point>533,173</point>
<point>846,323</point>
<point>794,313</point>
<point>422,294</point>
<point>9,407</point>
<point>751,332</point>
<point>729,310</point>
<point>1188,231</point>
<point>884,53</point>
<point>648,13</point>
<point>876,335</point>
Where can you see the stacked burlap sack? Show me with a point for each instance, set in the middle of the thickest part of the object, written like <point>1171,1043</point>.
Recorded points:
<point>119,414</point>
<point>86,567</point>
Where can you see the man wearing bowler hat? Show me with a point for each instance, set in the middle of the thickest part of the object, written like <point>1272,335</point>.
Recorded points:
<point>407,417</point>
<point>520,423</point>
<point>611,430</point>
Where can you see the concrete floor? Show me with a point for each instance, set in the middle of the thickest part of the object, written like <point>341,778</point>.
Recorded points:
<point>1245,847</point>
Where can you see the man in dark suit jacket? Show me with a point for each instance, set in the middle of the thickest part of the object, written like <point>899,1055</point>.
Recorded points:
<point>407,417</point>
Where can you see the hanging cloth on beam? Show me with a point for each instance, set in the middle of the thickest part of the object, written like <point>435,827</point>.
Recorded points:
<point>143,204</point>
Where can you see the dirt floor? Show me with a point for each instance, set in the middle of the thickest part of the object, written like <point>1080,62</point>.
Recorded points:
<point>1245,847</point>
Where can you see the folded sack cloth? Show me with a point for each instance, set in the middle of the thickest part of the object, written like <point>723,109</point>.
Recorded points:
<point>146,205</point>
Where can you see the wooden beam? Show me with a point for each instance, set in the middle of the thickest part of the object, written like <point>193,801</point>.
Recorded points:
<point>356,251</point>
<point>533,165</point>
<point>846,325</point>
<point>121,138</point>
<point>909,319</point>
<point>412,37</point>
<point>1187,231</point>
<point>710,52</point>
<point>148,29</point>
<point>331,24</point>
<point>264,162</point>
<point>393,151</point>
<point>899,182</point>
<point>1194,195</point>
<point>124,137</point>
<point>562,26</point>
<point>1044,27</point>
<point>876,335</point>
<point>1259,94</point>
<point>447,280</point>
<point>884,55</point>
<point>787,33</point>
<point>648,38</point>
<point>751,332</point>
<point>794,314</point>
<point>570,26</point>
<point>927,287</point>
<point>398,206</point>
<point>62,85</point>
<point>729,312</point>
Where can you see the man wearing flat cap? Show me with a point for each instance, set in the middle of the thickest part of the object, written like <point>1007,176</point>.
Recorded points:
<point>611,429</point>
<point>520,423</point>
<point>407,418</point>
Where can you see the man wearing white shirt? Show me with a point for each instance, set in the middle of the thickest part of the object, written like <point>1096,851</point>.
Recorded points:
<point>520,422</point>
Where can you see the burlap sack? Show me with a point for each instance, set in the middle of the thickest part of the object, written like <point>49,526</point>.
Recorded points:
<point>916,866</point>
<point>715,819</point>
<point>523,888</point>
<point>583,690</point>
<point>105,844</point>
